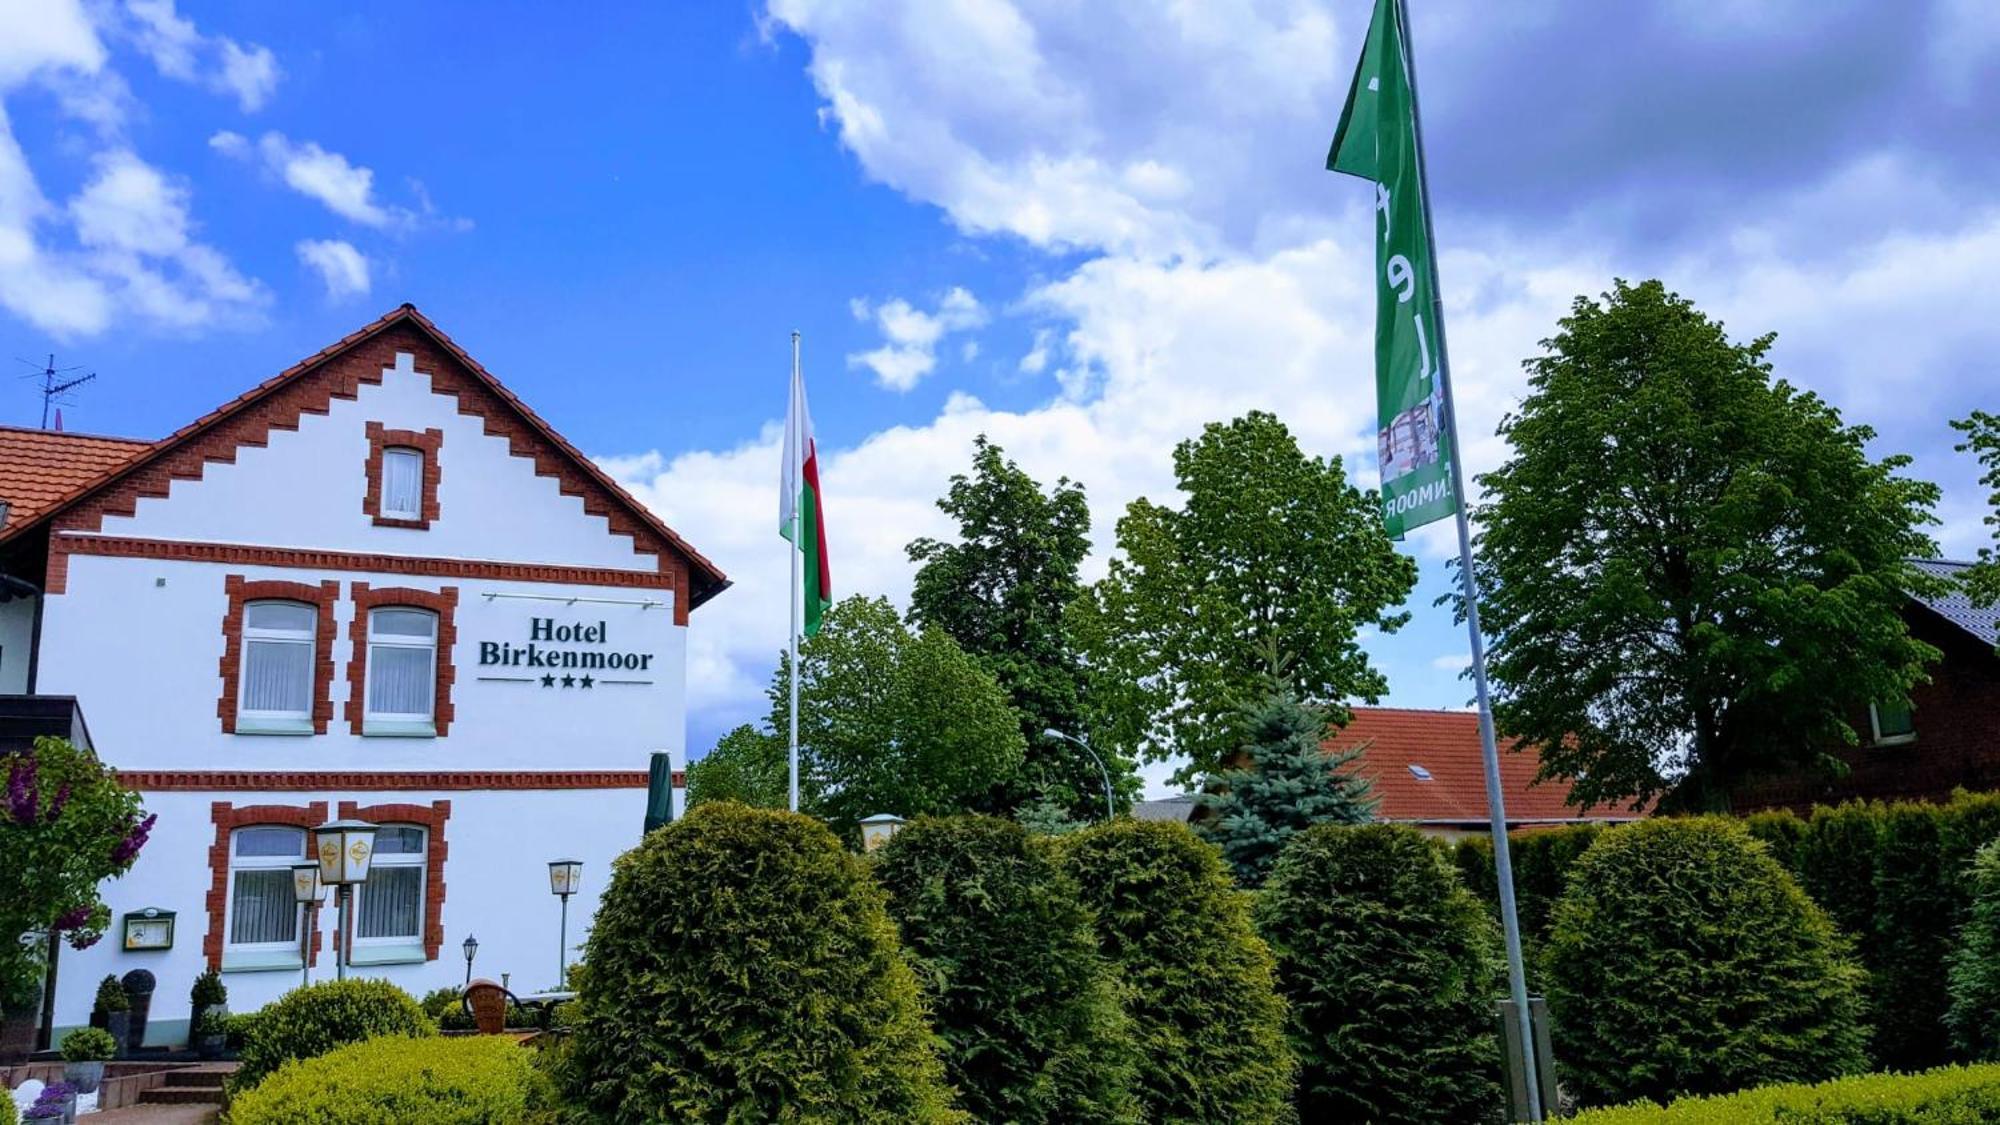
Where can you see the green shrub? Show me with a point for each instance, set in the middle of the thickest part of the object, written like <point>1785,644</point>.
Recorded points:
<point>111,997</point>
<point>236,1027</point>
<point>1542,859</point>
<point>1028,1008</point>
<point>316,1019</point>
<point>1199,982</point>
<point>470,1080</point>
<point>446,1007</point>
<point>8,1114</point>
<point>1834,861</point>
<point>211,1021</point>
<point>1390,967</point>
<point>1974,1015</point>
<point>1781,831</point>
<point>1683,959</point>
<point>1951,1095</point>
<point>1916,918</point>
<point>741,968</point>
<point>208,990</point>
<point>89,1044</point>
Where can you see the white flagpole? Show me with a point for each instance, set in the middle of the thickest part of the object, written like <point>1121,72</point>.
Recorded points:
<point>1496,800</point>
<point>793,482</point>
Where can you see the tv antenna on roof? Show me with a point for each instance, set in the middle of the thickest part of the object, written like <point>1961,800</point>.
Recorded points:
<point>54,386</point>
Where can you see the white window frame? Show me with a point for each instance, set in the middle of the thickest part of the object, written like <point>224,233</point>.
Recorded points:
<point>276,722</point>
<point>410,724</point>
<point>396,947</point>
<point>389,454</point>
<point>1875,727</point>
<point>260,954</point>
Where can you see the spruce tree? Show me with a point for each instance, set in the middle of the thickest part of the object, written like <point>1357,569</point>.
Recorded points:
<point>1282,781</point>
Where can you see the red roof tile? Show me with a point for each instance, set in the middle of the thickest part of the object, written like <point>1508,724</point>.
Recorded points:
<point>1445,745</point>
<point>40,467</point>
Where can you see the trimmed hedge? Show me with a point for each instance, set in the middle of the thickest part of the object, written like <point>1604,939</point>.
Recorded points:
<point>1974,1016</point>
<point>319,1017</point>
<point>1952,1095</point>
<point>1199,982</point>
<point>741,968</point>
<point>1028,1008</point>
<point>1684,960</point>
<point>1390,967</point>
<point>466,1080</point>
<point>1542,859</point>
<point>89,1044</point>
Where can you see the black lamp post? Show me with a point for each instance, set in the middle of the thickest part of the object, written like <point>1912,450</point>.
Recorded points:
<point>471,948</point>
<point>565,876</point>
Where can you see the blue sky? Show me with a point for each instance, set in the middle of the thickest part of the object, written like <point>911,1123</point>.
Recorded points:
<point>1083,229</point>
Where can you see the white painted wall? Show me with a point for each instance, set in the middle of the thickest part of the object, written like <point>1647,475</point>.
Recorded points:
<point>139,641</point>
<point>496,879</point>
<point>305,489</point>
<point>17,631</point>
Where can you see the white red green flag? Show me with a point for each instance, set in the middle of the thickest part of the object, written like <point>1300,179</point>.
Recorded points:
<point>801,515</point>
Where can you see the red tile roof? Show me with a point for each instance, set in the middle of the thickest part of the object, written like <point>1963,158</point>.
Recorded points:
<point>1445,745</point>
<point>40,467</point>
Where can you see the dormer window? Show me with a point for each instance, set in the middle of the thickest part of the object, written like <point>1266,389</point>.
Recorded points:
<point>403,475</point>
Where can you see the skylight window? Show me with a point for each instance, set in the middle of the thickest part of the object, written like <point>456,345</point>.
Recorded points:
<point>1419,772</point>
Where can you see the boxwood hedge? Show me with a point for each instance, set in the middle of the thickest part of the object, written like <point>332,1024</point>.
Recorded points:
<point>1952,1095</point>
<point>320,1017</point>
<point>467,1080</point>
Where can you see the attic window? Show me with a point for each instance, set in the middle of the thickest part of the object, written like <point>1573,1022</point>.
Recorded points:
<point>403,476</point>
<point>1419,772</point>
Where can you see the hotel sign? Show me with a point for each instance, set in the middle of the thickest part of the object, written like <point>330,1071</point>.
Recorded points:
<point>556,651</point>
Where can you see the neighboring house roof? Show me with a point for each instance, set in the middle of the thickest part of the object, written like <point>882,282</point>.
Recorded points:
<point>1428,769</point>
<point>1954,604</point>
<point>82,483</point>
<point>38,468</point>
<point>1166,808</point>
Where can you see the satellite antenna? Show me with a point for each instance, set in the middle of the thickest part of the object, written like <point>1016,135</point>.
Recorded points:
<point>54,385</point>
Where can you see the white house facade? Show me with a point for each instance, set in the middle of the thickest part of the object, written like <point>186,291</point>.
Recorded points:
<point>376,586</point>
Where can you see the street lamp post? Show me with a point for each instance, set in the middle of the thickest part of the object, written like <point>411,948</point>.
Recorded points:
<point>1101,771</point>
<point>308,892</point>
<point>345,847</point>
<point>879,829</point>
<point>565,876</point>
<point>471,948</point>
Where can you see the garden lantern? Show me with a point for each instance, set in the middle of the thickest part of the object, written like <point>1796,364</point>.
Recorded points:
<point>471,948</point>
<point>344,848</point>
<point>565,876</point>
<point>878,829</point>
<point>308,892</point>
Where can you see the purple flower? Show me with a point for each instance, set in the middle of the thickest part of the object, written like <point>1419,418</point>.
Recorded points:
<point>57,1091</point>
<point>24,797</point>
<point>72,919</point>
<point>56,806</point>
<point>85,939</point>
<point>135,838</point>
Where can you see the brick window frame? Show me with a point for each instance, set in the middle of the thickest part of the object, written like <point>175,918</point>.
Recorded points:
<point>381,439</point>
<point>444,603</point>
<point>227,819</point>
<point>431,819</point>
<point>241,592</point>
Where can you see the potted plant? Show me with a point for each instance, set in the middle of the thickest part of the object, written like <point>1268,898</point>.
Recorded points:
<point>210,1033</point>
<point>85,1051</point>
<point>208,992</point>
<point>113,1009</point>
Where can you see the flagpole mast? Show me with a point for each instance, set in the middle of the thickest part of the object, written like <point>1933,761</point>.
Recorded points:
<point>798,586</point>
<point>1496,801</point>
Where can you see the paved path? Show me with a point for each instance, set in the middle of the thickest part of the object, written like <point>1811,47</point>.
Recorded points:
<point>154,1115</point>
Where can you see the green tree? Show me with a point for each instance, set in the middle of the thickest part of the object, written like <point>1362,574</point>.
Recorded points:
<point>1029,1010</point>
<point>1272,550</point>
<point>66,825</point>
<point>1982,440</point>
<point>1692,574</point>
<point>1974,1016</point>
<point>747,766</point>
<point>1281,780</point>
<point>893,721</point>
<point>1001,591</point>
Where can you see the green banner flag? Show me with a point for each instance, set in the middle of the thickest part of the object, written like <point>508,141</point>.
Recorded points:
<point>1377,141</point>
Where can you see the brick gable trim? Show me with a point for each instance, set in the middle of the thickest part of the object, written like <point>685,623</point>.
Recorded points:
<point>444,603</point>
<point>308,558</point>
<point>427,442</point>
<point>227,819</point>
<point>371,781</point>
<point>431,819</point>
<point>241,592</point>
<point>338,371</point>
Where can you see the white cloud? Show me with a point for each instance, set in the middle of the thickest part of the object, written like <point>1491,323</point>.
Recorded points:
<point>342,268</point>
<point>1036,360</point>
<point>348,190</point>
<point>911,336</point>
<point>133,223</point>
<point>179,51</point>
<point>40,37</point>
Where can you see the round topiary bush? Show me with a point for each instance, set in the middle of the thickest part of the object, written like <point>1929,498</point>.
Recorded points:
<point>741,968</point>
<point>1974,1017</point>
<point>1198,980</point>
<point>1390,968</point>
<point>1027,1006</point>
<point>470,1080</point>
<point>316,1019</point>
<point>1683,960</point>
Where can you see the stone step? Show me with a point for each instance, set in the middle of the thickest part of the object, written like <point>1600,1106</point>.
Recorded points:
<point>194,1076</point>
<point>182,1095</point>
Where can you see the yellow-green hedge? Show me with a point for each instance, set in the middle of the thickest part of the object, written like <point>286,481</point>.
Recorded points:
<point>469,1080</point>
<point>1951,1095</point>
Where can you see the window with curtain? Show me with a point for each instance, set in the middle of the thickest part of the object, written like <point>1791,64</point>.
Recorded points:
<point>402,483</point>
<point>390,905</point>
<point>402,664</point>
<point>277,672</point>
<point>263,915</point>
